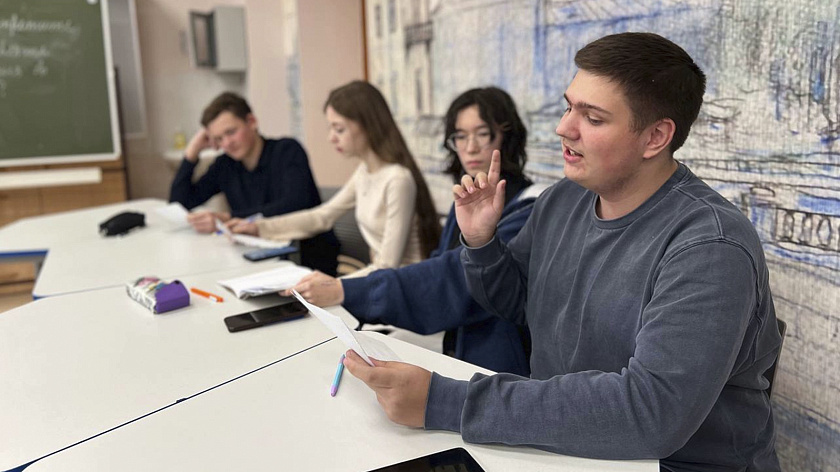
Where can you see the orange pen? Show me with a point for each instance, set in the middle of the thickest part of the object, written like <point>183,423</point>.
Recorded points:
<point>209,295</point>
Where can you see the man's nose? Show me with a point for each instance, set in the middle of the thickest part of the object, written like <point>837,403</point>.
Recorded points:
<point>566,128</point>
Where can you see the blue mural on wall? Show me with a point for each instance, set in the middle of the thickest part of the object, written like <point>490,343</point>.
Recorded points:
<point>767,139</point>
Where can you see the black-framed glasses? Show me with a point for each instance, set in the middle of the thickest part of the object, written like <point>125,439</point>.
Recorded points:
<point>459,141</point>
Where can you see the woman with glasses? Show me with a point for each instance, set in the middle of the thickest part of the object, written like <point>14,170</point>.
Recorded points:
<point>432,296</point>
<point>392,203</point>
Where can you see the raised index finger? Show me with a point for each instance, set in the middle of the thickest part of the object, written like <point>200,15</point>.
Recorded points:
<point>495,172</point>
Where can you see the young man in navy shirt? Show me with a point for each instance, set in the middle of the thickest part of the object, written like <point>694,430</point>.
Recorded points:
<point>257,176</point>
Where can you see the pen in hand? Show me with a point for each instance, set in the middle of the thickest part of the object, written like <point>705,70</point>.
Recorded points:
<point>337,378</point>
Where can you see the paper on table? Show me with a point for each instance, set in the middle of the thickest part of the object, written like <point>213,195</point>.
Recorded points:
<point>252,241</point>
<point>174,213</point>
<point>269,281</point>
<point>363,345</point>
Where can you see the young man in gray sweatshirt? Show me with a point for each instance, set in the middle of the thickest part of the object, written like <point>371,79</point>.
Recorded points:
<point>645,291</point>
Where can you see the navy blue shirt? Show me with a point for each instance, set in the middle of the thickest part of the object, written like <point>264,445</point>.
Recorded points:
<point>281,183</point>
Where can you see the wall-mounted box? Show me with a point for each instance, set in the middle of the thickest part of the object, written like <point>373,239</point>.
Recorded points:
<point>217,39</point>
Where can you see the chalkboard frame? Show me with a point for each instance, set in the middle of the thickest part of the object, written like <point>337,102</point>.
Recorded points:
<point>116,141</point>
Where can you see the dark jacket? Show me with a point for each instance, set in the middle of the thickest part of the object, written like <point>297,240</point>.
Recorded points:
<point>281,183</point>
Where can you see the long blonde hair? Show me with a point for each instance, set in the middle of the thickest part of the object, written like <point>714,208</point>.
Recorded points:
<point>362,103</point>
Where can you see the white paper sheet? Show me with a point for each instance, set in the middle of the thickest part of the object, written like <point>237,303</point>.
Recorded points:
<point>363,345</point>
<point>248,240</point>
<point>374,347</point>
<point>175,214</point>
<point>253,241</point>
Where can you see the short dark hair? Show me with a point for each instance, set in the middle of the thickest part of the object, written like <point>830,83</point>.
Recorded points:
<point>659,79</point>
<point>227,101</point>
<point>497,109</point>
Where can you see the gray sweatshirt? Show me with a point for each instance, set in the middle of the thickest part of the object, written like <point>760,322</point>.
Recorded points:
<point>651,333</point>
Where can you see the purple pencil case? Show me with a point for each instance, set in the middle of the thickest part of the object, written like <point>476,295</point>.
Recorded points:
<point>157,295</point>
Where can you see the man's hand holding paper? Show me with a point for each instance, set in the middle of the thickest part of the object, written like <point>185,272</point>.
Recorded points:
<point>363,345</point>
<point>401,389</point>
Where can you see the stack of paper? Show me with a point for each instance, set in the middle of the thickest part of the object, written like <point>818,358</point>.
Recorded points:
<point>269,281</point>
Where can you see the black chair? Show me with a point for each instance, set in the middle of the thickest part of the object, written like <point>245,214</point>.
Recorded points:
<point>354,253</point>
<point>770,373</point>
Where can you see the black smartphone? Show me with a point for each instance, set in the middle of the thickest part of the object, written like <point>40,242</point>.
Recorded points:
<point>452,459</point>
<point>265,316</point>
<point>268,253</point>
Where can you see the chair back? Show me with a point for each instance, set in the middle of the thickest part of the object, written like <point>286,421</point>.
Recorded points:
<point>354,253</point>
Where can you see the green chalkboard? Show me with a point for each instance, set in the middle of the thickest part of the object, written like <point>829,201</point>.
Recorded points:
<point>56,89</point>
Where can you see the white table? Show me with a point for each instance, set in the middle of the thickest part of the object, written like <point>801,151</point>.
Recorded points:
<point>78,258</point>
<point>282,418</point>
<point>77,365</point>
<point>109,262</point>
<point>33,237</point>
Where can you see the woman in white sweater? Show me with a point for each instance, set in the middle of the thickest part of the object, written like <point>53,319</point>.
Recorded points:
<point>392,203</point>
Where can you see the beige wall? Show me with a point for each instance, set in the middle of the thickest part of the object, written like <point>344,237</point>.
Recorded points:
<point>266,66</point>
<point>331,54</point>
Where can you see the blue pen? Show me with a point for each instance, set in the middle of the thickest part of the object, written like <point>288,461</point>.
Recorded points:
<point>337,378</point>
<point>220,227</point>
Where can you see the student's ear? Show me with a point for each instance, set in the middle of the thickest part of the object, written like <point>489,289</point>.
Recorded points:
<point>659,136</point>
<point>251,120</point>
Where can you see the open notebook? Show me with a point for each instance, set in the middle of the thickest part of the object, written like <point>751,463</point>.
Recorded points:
<point>269,281</point>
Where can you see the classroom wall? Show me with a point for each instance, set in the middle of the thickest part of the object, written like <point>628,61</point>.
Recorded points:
<point>330,38</point>
<point>298,54</point>
<point>329,51</point>
<point>266,77</point>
